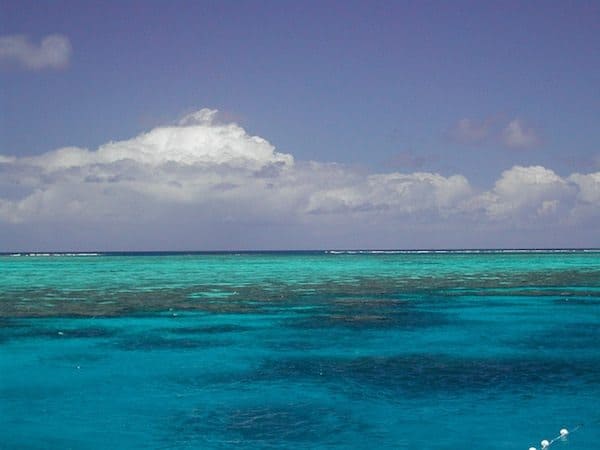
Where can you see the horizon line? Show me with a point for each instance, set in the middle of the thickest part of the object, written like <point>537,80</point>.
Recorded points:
<point>323,250</point>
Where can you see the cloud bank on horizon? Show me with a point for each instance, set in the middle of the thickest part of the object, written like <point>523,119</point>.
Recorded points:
<point>201,180</point>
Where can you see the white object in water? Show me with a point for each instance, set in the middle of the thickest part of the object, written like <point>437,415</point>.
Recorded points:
<point>564,432</point>
<point>532,448</point>
<point>545,443</point>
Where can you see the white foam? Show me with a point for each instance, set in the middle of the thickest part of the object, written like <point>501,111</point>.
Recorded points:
<point>464,251</point>
<point>59,254</point>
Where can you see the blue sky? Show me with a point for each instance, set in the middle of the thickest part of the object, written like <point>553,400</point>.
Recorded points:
<point>472,89</point>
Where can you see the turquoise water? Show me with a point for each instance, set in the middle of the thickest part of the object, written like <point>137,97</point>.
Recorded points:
<point>494,350</point>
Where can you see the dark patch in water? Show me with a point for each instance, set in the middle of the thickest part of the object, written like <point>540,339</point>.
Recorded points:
<point>52,301</point>
<point>77,358</point>
<point>30,330</point>
<point>86,332</point>
<point>6,322</point>
<point>416,375</point>
<point>265,425</point>
<point>150,342</point>
<point>567,336</point>
<point>55,302</point>
<point>209,329</point>
<point>409,318</point>
<point>9,329</point>
<point>295,344</point>
<point>578,301</point>
<point>31,392</point>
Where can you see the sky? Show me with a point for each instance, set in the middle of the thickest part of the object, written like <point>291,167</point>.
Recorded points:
<point>223,125</point>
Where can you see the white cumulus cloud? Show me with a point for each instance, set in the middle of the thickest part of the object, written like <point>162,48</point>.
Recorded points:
<point>53,52</point>
<point>197,141</point>
<point>200,161</point>
<point>394,193</point>
<point>589,187</point>
<point>212,185</point>
<point>526,192</point>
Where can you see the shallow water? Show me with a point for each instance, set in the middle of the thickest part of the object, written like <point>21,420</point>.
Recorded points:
<point>300,350</point>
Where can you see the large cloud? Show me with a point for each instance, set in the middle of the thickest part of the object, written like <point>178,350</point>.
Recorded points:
<point>214,183</point>
<point>53,52</point>
<point>197,140</point>
<point>196,161</point>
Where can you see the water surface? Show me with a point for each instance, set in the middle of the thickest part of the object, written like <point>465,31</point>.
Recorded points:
<point>395,350</point>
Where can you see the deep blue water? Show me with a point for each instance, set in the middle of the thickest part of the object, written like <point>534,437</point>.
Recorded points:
<point>453,350</point>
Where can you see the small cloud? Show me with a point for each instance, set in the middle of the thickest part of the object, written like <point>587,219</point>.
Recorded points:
<point>517,135</point>
<point>53,52</point>
<point>469,131</point>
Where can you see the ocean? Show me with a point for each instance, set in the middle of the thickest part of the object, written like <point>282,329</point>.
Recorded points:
<point>300,350</point>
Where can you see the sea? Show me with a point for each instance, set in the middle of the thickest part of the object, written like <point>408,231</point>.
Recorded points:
<point>478,349</point>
